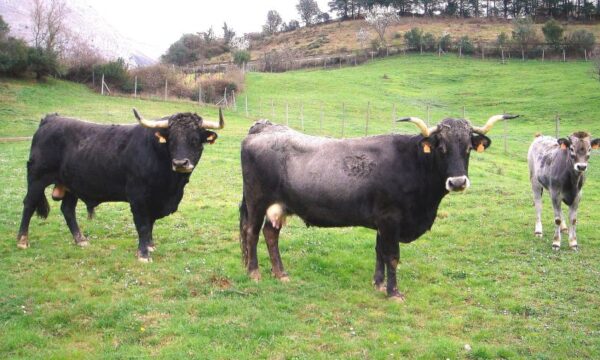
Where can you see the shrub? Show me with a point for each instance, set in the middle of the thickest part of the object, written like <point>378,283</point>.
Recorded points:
<point>445,42</point>
<point>241,57</point>
<point>115,72</point>
<point>14,57</point>
<point>43,63</point>
<point>414,38</point>
<point>466,45</point>
<point>553,33</point>
<point>581,40</point>
<point>429,43</point>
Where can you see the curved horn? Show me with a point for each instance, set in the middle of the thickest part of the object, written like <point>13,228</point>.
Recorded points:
<point>425,131</point>
<point>490,123</point>
<point>152,124</point>
<point>207,124</point>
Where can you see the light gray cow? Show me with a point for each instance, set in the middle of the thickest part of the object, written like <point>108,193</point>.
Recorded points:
<point>559,165</point>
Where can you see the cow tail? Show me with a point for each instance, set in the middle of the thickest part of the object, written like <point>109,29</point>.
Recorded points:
<point>42,209</point>
<point>243,222</point>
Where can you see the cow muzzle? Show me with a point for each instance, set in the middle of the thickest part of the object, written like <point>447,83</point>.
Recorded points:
<point>580,167</point>
<point>182,166</point>
<point>457,183</point>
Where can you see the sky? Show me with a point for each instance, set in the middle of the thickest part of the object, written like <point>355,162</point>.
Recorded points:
<point>159,23</point>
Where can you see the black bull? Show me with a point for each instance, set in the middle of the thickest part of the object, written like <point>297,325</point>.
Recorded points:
<point>391,183</point>
<point>146,165</point>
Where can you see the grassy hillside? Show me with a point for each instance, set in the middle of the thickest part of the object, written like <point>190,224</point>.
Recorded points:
<point>479,277</point>
<point>340,37</point>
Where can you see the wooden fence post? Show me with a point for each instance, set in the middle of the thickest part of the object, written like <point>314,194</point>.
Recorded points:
<point>102,86</point>
<point>135,88</point>
<point>564,56</point>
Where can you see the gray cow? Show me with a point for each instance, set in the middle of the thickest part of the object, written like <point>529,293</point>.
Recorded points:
<point>559,165</point>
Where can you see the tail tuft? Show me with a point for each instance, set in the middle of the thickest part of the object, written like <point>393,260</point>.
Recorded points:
<point>42,209</point>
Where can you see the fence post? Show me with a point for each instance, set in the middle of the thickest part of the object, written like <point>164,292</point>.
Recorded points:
<point>460,51</point>
<point>522,54</point>
<point>343,118</point>
<point>557,125</point>
<point>585,54</point>
<point>564,56</point>
<point>135,88</point>
<point>166,88</point>
<point>368,116</point>
<point>482,52</point>
<point>543,54</point>
<point>93,78</point>
<point>234,100</point>
<point>502,50</point>
<point>102,86</point>
<point>225,97</point>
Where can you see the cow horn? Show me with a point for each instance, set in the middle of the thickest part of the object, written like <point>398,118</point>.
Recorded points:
<point>425,131</point>
<point>490,123</point>
<point>152,124</point>
<point>207,124</point>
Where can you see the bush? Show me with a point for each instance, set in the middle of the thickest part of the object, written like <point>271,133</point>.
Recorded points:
<point>445,42</point>
<point>553,33</point>
<point>466,45</point>
<point>115,72</point>
<point>14,57</point>
<point>414,38</point>
<point>43,63</point>
<point>241,57</point>
<point>502,40</point>
<point>429,43</point>
<point>581,40</point>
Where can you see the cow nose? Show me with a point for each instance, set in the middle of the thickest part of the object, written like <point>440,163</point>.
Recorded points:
<point>581,167</point>
<point>457,183</point>
<point>184,163</point>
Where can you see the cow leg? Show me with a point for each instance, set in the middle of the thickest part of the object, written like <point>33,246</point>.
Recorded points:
<point>34,200</point>
<point>143,224</point>
<point>556,203</point>
<point>251,232</point>
<point>573,221</point>
<point>391,257</point>
<point>68,206</point>
<point>151,244</point>
<point>537,200</point>
<point>379,276</point>
<point>272,239</point>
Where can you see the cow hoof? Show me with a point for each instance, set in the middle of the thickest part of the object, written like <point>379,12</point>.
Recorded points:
<point>555,247</point>
<point>575,248</point>
<point>23,242</point>
<point>82,243</point>
<point>539,235</point>
<point>284,279</point>
<point>151,248</point>
<point>254,275</point>
<point>380,287</point>
<point>397,297</point>
<point>144,259</point>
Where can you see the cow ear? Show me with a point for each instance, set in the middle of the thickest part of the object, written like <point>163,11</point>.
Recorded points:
<point>209,137</point>
<point>162,137</point>
<point>564,143</point>
<point>426,144</point>
<point>480,142</point>
<point>596,144</point>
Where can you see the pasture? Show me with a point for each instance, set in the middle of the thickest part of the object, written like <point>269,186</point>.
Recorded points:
<point>479,277</point>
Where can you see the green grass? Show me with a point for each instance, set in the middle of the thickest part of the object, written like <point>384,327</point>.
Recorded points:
<point>478,278</point>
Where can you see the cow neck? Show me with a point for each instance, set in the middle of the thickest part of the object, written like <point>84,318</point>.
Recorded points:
<point>570,176</point>
<point>431,181</point>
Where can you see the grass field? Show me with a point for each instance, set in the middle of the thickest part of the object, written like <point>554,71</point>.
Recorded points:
<point>479,277</point>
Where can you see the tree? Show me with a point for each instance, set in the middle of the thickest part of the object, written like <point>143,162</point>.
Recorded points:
<point>291,25</point>
<point>380,18</point>
<point>553,33</point>
<point>273,22</point>
<point>362,35</point>
<point>43,62</point>
<point>308,11</point>
<point>241,57</point>
<point>228,34</point>
<point>48,24</point>
<point>414,38</point>
<point>340,7</point>
<point>582,40</point>
<point>524,33</point>
<point>4,29</point>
